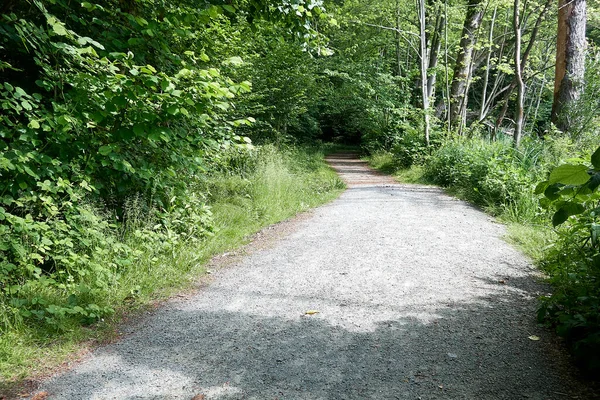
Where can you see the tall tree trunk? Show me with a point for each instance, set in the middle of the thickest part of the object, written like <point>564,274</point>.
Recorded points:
<point>398,38</point>
<point>462,68</point>
<point>486,76</point>
<point>570,60</point>
<point>424,58</point>
<point>518,76</point>
<point>447,82</point>
<point>499,79</point>
<point>434,51</point>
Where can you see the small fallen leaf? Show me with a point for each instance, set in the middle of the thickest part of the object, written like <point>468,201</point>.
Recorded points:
<point>311,312</point>
<point>533,337</point>
<point>198,397</point>
<point>40,396</point>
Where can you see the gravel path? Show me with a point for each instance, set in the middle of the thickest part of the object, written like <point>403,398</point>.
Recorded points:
<point>390,292</point>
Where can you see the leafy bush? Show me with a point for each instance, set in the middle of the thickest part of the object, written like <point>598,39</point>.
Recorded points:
<point>93,117</point>
<point>494,175</point>
<point>574,261</point>
<point>110,265</point>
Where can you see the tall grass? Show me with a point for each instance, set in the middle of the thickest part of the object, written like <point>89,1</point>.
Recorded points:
<point>247,190</point>
<point>494,175</point>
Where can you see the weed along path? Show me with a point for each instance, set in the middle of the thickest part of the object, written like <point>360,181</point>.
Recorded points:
<point>390,292</point>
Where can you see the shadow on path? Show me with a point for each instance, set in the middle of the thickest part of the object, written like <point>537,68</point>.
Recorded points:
<point>230,355</point>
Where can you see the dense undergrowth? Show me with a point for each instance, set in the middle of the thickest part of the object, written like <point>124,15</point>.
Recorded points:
<point>128,264</point>
<point>506,182</point>
<point>127,157</point>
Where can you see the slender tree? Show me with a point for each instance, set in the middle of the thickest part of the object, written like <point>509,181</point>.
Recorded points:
<point>462,68</point>
<point>424,64</point>
<point>523,60</point>
<point>518,75</point>
<point>570,59</point>
<point>434,47</point>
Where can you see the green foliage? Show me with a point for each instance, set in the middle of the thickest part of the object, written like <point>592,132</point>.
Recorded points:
<point>491,174</point>
<point>93,117</point>
<point>155,251</point>
<point>574,260</point>
<point>113,115</point>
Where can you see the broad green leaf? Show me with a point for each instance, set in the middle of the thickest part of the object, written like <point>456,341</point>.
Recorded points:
<point>569,174</point>
<point>57,26</point>
<point>552,192</point>
<point>559,217</point>
<point>235,60</point>
<point>105,150</point>
<point>165,85</point>
<point>33,124</point>
<point>85,40</point>
<point>541,187</point>
<point>29,172</point>
<point>26,105</point>
<point>19,92</point>
<point>573,208</point>
<point>565,211</point>
<point>228,8</point>
<point>141,21</point>
<point>154,135</point>
<point>120,101</point>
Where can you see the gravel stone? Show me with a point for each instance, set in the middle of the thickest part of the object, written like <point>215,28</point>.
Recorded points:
<point>412,294</point>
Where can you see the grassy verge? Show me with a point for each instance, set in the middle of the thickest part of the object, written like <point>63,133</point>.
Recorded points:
<point>247,192</point>
<point>531,240</point>
<point>385,162</point>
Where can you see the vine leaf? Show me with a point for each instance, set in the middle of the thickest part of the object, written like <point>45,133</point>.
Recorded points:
<point>570,174</point>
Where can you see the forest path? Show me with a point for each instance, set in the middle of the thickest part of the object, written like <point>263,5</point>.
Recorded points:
<point>390,292</point>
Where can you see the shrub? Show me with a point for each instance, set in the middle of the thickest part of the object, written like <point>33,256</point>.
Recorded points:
<point>573,262</point>
<point>494,175</point>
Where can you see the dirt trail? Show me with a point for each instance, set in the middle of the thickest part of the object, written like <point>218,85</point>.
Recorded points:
<point>355,172</point>
<point>390,292</point>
